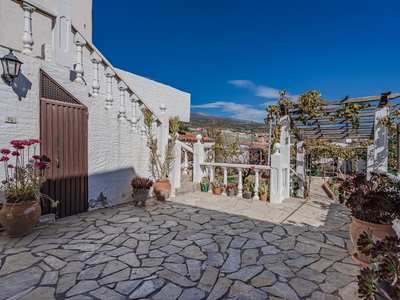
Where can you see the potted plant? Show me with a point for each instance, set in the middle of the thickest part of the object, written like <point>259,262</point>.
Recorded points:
<point>141,187</point>
<point>263,190</point>
<point>160,167</point>
<point>247,189</point>
<point>217,187</point>
<point>230,189</point>
<point>374,203</point>
<point>204,184</point>
<point>21,186</point>
<point>382,278</point>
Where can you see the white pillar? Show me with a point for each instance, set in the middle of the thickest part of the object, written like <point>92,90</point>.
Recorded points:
<point>276,176</point>
<point>79,42</point>
<point>256,184</point>
<point>370,160</point>
<point>175,174</point>
<point>109,97</point>
<point>225,179</point>
<point>96,60</point>
<point>240,184</point>
<point>27,38</point>
<point>163,131</point>
<point>300,167</point>
<point>134,120</point>
<point>198,158</point>
<point>61,45</point>
<point>380,141</point>
<point>285,153</point>
<point>122,110</point>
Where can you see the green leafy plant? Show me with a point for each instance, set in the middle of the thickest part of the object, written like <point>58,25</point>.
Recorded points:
<point>311,105</point>
<point>217,184</point>
<point>205,181</point>
<point>351,111</point>
<point>159,167</point>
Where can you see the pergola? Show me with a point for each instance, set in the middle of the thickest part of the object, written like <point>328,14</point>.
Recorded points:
<point>341,128</point>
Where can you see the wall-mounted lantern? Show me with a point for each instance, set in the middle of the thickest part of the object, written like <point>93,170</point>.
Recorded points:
<point>11,67</point>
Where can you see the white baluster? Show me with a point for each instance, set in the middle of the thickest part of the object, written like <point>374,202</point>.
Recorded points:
<point>256,184</point>
<point>240,184</point>
<point>27,38</point>
<point>185,163</point>
<point>143,132</point>
<point>109,97</point>
<point>134,120</point>
<point>96,60</point>
<point>122,110</point>
<point>225,180</point>
<point>79,42</point>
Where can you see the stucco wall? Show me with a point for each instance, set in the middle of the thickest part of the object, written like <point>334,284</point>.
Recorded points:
<point>116,152</point>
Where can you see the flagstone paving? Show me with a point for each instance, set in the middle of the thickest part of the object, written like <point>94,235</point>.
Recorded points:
<point>196,246</point>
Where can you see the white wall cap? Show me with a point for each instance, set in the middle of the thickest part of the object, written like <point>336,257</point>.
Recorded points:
<point>79,39</point>
<point>108,72</point>
<point>134,98</point>
<point>95,57</point>
<point>122,86</point>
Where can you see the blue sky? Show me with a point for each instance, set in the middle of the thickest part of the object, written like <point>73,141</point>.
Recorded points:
<point>234,57</point>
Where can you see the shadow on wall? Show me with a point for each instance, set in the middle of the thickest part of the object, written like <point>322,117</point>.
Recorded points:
<point>77,194</point>
<point>21,85</point>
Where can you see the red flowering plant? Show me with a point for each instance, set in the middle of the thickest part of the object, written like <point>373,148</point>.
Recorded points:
<point>141,184</point>
<point>23,180</point>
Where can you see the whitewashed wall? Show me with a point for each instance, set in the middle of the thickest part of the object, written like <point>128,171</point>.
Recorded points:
<point>116,151</point>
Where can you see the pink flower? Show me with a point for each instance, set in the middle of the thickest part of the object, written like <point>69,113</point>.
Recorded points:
<point>40,164</point>
<point>37,157</point>
<point>5,151</point>
<point>15,153</point>
<point>10,166</point>
<point>252,168</point>
<point>4,158</point>
<point>4,182</point>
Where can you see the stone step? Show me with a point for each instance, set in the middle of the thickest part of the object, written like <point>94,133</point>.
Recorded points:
<point>185,179</point>
<point>189,187</point>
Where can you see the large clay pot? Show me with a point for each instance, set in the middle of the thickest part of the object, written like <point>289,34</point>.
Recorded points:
<point>25,217</point>
<point>380,232</point>
<point>161,189</point>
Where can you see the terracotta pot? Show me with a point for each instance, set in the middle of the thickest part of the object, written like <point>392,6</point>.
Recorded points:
<point>380,232</point>
<point>161,189</point>
<point>217,191</point>
<point>263,197</point>
<point>25,217</point>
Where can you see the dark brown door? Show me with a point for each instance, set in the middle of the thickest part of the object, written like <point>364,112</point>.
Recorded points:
<point>63,130</point>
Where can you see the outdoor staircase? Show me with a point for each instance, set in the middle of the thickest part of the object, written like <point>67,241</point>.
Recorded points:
<point>187,185</point>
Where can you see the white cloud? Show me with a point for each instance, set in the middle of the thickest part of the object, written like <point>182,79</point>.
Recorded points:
<point>242,83</point>
<point>239,111</point>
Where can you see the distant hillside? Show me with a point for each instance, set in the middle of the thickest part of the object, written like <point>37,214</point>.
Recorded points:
<point>202,120</point>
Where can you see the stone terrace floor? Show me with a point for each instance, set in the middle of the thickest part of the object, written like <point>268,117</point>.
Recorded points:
<point>196,246</point>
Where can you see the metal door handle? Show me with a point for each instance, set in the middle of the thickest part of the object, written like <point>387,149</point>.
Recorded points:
<point>57,163</point>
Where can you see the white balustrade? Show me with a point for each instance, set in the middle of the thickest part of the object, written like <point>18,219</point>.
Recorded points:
<point>225,179</point>
<point>143,132</point>
<point>109,97</point>
<point>122,110</point>
<point>27,38</point>
<point>96,60</point>
<point>256,184</point>
<point>134,120</point>
<point>240,184</point>
<point>79,42</point>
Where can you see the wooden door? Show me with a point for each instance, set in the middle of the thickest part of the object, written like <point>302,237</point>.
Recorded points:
<point>63,130</point>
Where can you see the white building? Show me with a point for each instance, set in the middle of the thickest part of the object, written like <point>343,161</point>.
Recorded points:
<point>85,111</point>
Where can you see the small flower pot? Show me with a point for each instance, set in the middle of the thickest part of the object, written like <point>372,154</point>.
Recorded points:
<point>140,196</point>
<point>204,188</point>
<point>247,195</point>
<point>263,197</point>
<point>217,191</point>
<point>230,193</point>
